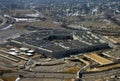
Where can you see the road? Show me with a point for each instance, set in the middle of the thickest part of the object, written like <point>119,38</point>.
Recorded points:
<point>7,22</point>
<point>99,75</point>
<point>41,75</point>
<point>3,19</point>
<point>27,74</point>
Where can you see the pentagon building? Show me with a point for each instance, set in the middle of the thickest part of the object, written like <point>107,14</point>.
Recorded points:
<point>56,43</point>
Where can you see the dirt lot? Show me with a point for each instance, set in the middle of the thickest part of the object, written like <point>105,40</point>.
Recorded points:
<point>98,59</point>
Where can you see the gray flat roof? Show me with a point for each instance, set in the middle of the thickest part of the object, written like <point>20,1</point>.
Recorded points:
<point>84,39</point>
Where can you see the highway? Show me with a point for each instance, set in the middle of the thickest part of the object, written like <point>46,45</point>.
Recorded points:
<point>3,20</point>
<point>32,74</point>
<point>99,75</point>
<point>6,22</point>
<point>41,75</point>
